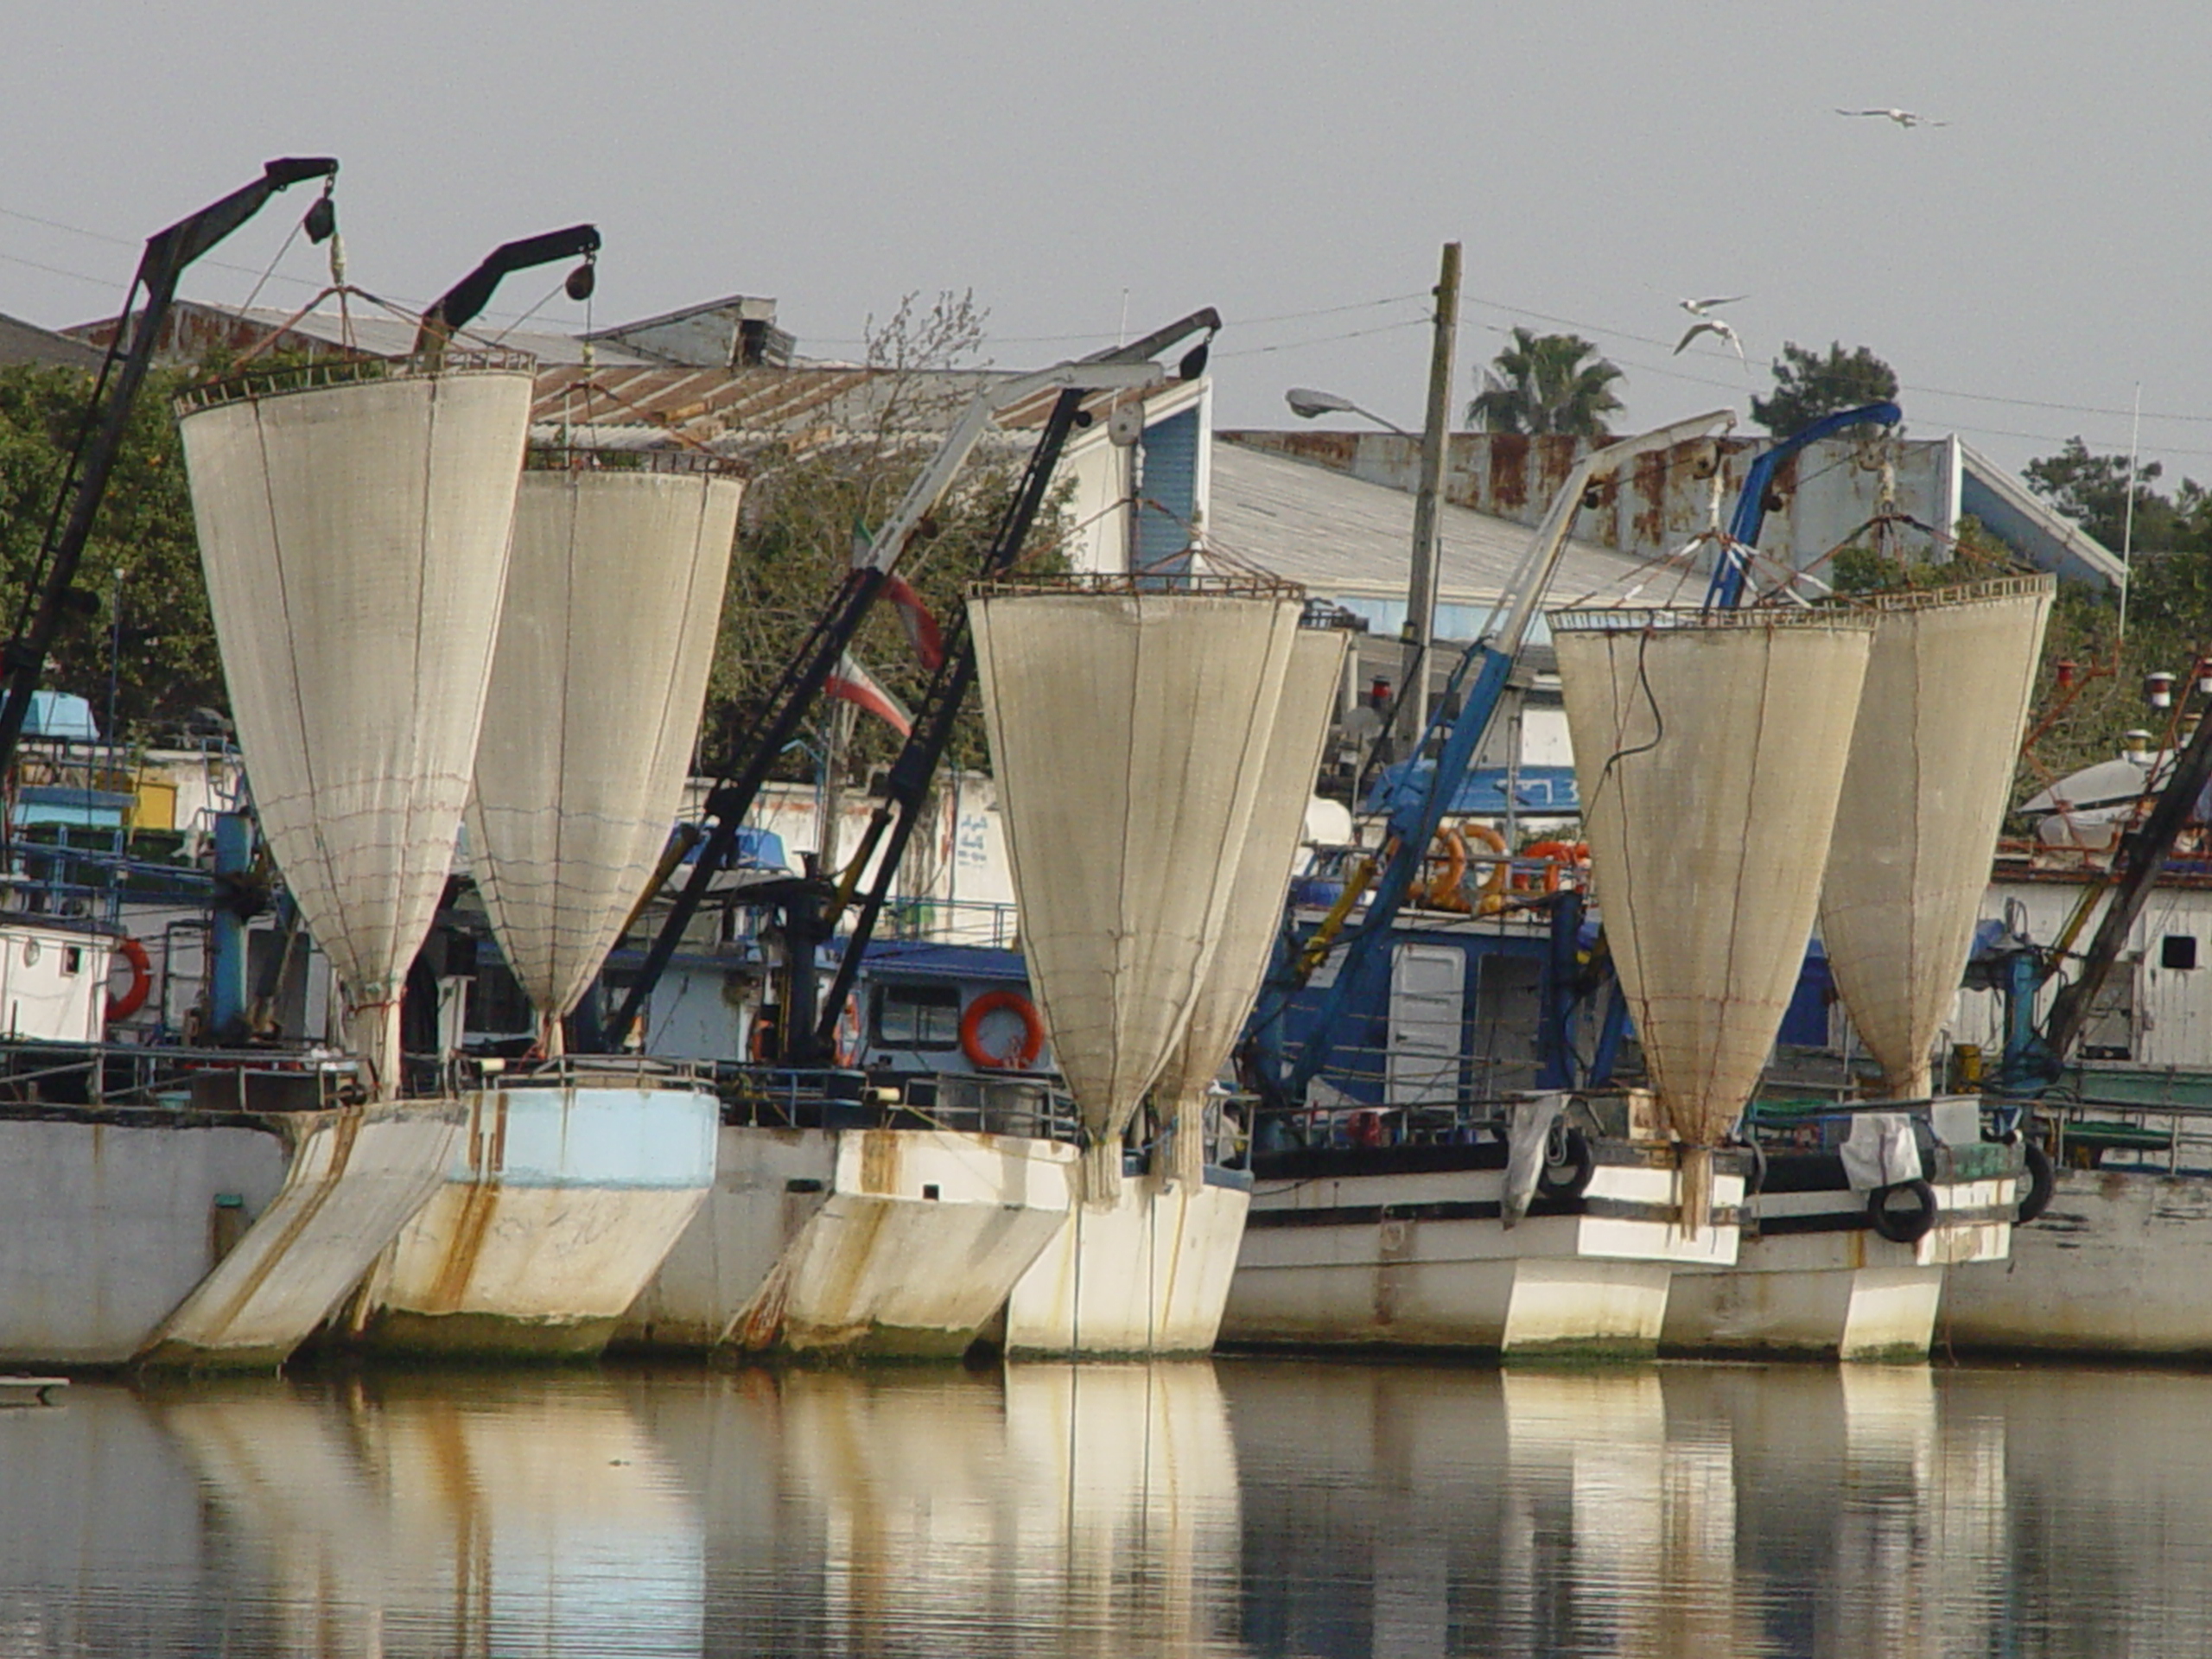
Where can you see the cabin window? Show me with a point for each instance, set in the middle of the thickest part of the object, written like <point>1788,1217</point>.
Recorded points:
<point>918,1016</point>
<point>2178,950</point>
<point>72,959</point>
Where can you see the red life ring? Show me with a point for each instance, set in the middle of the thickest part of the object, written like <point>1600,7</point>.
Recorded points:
<point>142,982</point>
<point>1020,1058</point>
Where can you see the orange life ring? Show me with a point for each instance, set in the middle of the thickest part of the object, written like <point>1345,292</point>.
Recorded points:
<point>1552,857</point>
<point>845,1044</point>
<point>1020,1056</point>
<point>1448,891</point>
<point>142,982</point>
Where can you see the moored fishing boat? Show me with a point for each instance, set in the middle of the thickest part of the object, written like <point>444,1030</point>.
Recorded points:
<point>572,1181</point>
<point>1861,1210</point>
<point>1417,1199</point>
<point>1130,730</point>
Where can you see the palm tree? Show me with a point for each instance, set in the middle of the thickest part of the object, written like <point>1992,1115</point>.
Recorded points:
<point>1540,383</point>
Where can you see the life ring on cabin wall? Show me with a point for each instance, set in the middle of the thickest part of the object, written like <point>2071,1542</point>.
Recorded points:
<point>1022,1055</point>
<point>142,982</point>
<point>845,1041</point>
<point>1448,891</point>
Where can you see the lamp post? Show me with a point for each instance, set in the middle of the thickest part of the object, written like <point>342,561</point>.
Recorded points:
<point>1306,403</point>
<point>1421,580</point>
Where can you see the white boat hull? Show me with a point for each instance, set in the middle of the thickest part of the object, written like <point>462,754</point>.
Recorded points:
<point>2116,1265</point>
<point>557,1207</point>
<point>1148,1273</point>
<point>854,1242</point>
<point>1421,1260</point>
<point>1814,1279</point>
<point>200,1239</point>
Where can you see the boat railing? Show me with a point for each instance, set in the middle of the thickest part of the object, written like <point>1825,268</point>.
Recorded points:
<point>2094,1124</point>
<point>583,1071</point>
<point>1345,1124</point>
<point>174,1079</point>
<point>952,921</point>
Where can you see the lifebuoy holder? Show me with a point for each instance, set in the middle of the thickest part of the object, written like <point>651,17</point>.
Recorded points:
<point>1020,1057</point>
<point>142,980</point>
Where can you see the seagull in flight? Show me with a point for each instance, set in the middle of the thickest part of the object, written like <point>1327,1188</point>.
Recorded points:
<point>1715,327</point>
<point>1902,117</point>
<point>1700,307</point>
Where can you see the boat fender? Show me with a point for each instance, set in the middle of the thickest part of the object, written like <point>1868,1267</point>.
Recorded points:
<point>1755,1178</point>
<point>1022,1055</point>
<point>846,1044</point>
<point>2042,1185</point>
<point>1903,1226</point>
<point>1568,1164</point>
<point>142,982</point>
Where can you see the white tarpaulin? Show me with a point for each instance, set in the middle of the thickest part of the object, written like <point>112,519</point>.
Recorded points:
<point>1931,770</point>
<point>1255,914</point>
<point>355,542</point>
<point>1709,751</point>
<point>1129,733</point>
<point>613,593</point>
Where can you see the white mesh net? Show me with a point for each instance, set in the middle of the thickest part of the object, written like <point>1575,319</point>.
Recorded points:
<point>1129,733</point>
<point>355,542</point>
<point>1709,751</point>
<point>613,593</point>
<point>1931,767</point>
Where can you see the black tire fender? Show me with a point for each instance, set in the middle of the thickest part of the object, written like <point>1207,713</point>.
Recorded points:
<point>2042,1183</point>
<point>1568,1164</point>
<point>1903,1226</point>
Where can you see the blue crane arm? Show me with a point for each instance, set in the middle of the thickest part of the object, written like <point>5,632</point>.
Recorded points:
<point>1477,687</point>
<point>1726,592</point>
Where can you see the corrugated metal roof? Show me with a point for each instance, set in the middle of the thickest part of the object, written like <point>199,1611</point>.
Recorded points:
<point>1343,538</point>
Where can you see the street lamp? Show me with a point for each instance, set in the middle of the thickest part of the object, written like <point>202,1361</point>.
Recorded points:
<point>1306,403</point>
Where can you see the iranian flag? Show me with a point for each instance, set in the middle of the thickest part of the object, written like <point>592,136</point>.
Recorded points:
<point>851,681</point>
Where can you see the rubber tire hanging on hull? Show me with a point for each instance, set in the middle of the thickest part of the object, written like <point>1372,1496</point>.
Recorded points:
<point>2043,1184</point>
<point>1568,1164</point>
<point>1903,1226</point>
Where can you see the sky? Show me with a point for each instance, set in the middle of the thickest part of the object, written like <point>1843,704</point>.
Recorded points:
<point>1083,169</point>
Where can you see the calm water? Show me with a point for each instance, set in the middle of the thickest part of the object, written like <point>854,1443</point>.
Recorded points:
<point>1242,1508</point>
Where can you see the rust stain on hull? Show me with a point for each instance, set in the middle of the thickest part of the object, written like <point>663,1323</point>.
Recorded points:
<point>479,1202</point>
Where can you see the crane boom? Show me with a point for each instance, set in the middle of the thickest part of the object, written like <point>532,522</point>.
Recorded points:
<point>100,439</point>
<point>1476,689</point>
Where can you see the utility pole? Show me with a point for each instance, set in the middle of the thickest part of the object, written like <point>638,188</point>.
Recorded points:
<point>1420,586</point>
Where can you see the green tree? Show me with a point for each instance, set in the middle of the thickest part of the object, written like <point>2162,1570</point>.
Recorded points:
<point>2169,603</point>
<point>2092,491</point>
<point>1808,387</point>
<point>141,568</point>
<point>1547,383</point>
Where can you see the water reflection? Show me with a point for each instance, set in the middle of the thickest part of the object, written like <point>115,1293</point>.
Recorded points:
<point>1248,1507</point>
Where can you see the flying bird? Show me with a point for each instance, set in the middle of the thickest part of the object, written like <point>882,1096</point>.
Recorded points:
<point>1698,308</point>
<point>1712,326</point>
<point>1902,117</point>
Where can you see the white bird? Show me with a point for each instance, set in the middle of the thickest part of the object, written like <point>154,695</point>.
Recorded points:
<point>1712,326</point>
<point>1698,308</point>
<point>1902,117</point>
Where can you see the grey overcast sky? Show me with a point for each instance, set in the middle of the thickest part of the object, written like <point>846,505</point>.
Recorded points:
<point>1297,167</point>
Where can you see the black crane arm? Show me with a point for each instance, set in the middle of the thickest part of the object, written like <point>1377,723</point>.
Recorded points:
<point>2146,856</point>
<point>460,305</point>
<point>48,598</point>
